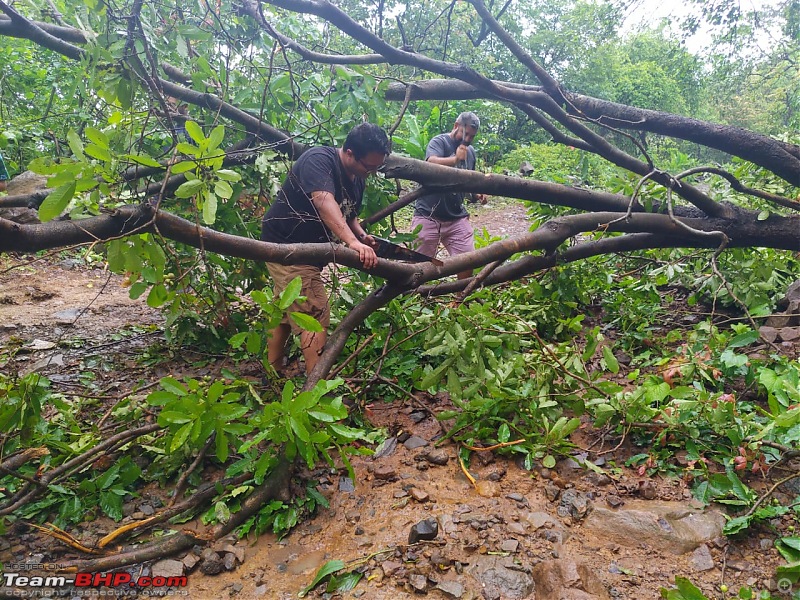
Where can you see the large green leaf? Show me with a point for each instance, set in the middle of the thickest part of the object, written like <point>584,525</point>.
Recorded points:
<point>329,568</point>
<point>56,202</point>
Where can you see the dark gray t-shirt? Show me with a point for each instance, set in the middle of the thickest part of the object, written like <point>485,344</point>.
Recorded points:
<point>292,218</point>
<point>446,206</point>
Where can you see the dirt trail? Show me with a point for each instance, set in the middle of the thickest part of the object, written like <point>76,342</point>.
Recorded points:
<point>510,525</point>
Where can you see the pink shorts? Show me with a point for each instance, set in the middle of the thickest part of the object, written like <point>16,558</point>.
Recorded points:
<point>456,236</point>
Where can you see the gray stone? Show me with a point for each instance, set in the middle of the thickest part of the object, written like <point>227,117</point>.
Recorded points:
<point>573,504</point>
<point>237,551</point>
<point>567,580</point>
<point>451,588</point>
<point>190,561</point>
<point>346,485</point>
<point>437,456</point>
<point>510,546</point>
<point>385,472</point>
<point>427,529</point>
<point>390,567</point>
<point>597,479</point>
<point>229,561</point>
<point>415,442</point>
<point>387,448</point>
<point>498,581</point>
<point>38,344</point>
<point>670,526</point>
<point>419,495</point>
<point>789,334</point>
<point>147,509</point>
<point>701,559</point>
<point>552,491</point>
<point>539,519</point>
<point>67,317</point>
<point>168,568</point>
<point>515,527</point>
<point>212,563</point>
<point>26,182</point>
<point>418,582</point>
<point>770,334</point>
<point>778,321</point>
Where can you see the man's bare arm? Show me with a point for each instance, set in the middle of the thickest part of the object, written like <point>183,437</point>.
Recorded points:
<point>331,215</point>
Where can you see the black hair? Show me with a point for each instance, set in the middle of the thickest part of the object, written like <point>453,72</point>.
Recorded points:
<point>366,138</point>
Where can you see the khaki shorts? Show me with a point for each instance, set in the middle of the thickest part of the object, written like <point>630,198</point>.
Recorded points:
<point>316,303</point>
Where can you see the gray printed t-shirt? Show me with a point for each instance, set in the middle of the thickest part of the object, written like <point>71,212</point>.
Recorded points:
<point>446,206</point>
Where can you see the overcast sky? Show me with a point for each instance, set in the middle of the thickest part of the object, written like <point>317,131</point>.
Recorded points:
<point>652,11</point>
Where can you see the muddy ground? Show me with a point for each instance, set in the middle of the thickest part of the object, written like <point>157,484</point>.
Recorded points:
<point>513,534</point>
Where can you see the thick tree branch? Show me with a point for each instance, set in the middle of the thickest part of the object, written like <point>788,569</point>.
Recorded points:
<point>251,8</point>
<point>781,158</point>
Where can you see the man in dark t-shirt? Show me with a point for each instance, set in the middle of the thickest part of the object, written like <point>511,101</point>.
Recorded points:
<point>319,202</point>
<point>443,216</point>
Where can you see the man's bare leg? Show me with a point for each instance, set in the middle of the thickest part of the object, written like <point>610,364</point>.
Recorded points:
<point>312,344</point>
<point>276,345</point>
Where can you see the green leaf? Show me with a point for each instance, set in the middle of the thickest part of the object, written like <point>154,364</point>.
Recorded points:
<point>97,136</point>
<point>223,189</point>
<point>329,568</point>
<point>789,547</point>
<point>504,433</point>
<point>209,208</point>
<point>344,582</point>
<point>610,360</point>
<point>99,153</point>
<point>237,340</point>
<point>76,145</point>
<point>221,512</point>
<point>180,437</point>
<point>195,132</point>
<point>137,289</point>
<point>183,167</point>
<point>306,322</point>
<point>173,385</point>
<point>549,461</point>
<point>172,416</point>
<point>434,376</point>
<point>228,175</point>
<point>115,256</point>
<point>689,590</point>
<point>56,202</point>
<point>221,444</point>
<point>299,429</point>
<point>763,215</point>
<point>744,339</point>
<point>160,398</point>
<point>189,188</point>
<point>290,294</point>
<point>106,479</point>
<point>736,525</point>
<point>144,160</point>
<point>215,137</point>
<point>111,504</point>
<point>158,295</point>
